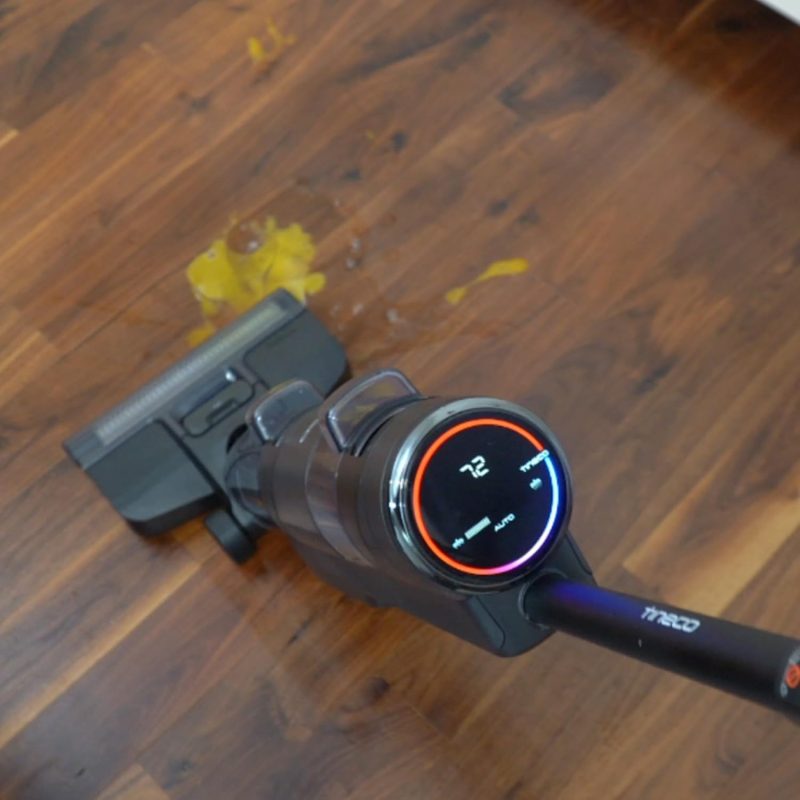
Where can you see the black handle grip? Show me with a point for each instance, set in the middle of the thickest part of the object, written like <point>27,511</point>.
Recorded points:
<point>759,666</point>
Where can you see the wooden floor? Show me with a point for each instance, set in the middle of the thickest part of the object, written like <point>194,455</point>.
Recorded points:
<point>643,157</point>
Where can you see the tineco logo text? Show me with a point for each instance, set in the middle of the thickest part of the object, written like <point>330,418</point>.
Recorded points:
<point>669,620</point>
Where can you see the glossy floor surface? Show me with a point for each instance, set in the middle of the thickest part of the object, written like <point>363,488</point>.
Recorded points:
<point>643,159</point>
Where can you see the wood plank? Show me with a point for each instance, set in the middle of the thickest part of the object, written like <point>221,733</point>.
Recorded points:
<point>75,620</point>
<point>24,353</point>
<point>347,755</point>
<point>158,659</point>
<point>53,55</point>
<point>134,784</point>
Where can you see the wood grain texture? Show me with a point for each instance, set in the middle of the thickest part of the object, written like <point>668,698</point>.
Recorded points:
<point>645,160</point>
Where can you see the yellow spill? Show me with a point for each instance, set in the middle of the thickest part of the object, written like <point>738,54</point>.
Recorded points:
<point>263,57</point>
<point>253,260</point>
<point>202,332</point>
<point>511,266</point>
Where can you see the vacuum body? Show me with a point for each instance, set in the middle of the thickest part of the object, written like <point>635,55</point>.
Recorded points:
<point>355,480</point>
<point>455,510</point>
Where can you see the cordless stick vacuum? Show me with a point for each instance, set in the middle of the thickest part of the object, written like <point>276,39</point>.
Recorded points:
<point>455,510</point>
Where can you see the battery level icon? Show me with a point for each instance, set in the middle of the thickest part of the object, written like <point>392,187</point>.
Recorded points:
<point>477,528</point>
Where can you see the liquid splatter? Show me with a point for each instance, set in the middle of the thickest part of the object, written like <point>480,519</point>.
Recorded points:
<point>511,266</point>
<point>265,57</point>
<point>355,253</point>
<point>251,261</point>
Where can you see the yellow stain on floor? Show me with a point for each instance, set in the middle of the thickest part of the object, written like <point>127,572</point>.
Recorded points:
<point>264,57</point>
<point>497,269</point>
<point>251,261</point>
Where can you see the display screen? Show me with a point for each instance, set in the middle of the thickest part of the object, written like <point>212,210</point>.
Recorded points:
<point>488,495</point>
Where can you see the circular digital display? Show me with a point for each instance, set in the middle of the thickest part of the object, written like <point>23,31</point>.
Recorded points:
<point>489,496</point>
